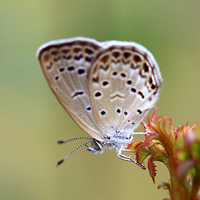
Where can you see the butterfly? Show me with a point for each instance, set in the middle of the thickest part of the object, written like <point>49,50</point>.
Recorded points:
<point>106,87</point>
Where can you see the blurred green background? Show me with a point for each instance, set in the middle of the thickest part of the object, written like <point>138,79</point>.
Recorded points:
<point>31,119</point>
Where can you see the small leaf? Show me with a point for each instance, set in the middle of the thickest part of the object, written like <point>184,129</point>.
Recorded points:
<point>164,185</point>
<point>141,154</point>
<point>134,145</point>
<point>152,168</point>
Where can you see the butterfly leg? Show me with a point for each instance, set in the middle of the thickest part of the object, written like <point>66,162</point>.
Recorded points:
<point>128,150</point>
<point>126,158</point>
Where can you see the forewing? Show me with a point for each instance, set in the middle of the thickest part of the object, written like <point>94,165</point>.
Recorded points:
<point>124,84</point>
<point>65,64</point>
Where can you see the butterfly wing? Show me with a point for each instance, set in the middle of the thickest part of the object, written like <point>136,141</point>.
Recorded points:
<point>65,65</point>
<point>124,84</point>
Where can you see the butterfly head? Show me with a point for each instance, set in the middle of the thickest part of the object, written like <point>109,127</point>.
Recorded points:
<point>117,141</point>
<point>110,142</point>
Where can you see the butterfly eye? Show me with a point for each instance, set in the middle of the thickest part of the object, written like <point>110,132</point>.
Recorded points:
<point>97,146</point>
<point>108,137</point>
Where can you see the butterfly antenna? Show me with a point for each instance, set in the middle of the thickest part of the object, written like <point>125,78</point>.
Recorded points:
<point>61,161</point>
<point>77,138</point>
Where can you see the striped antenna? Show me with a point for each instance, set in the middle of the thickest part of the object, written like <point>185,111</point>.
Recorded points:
<point>77,138</point>
<point>61,161</point>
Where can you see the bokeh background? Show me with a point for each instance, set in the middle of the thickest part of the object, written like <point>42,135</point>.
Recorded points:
<point>31,119</point>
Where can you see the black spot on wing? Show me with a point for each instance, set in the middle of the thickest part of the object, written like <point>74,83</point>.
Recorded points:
<point>78,93</point>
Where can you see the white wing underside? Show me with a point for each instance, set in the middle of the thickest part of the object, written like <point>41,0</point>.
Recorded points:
<point>81,74</point>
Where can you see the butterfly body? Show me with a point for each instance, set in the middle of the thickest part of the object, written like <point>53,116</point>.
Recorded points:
<point>106,87</point>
